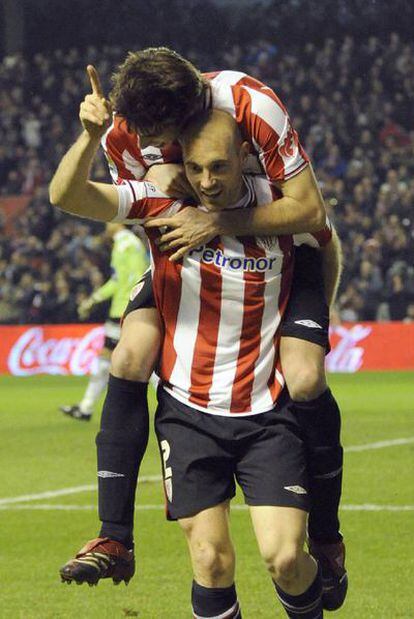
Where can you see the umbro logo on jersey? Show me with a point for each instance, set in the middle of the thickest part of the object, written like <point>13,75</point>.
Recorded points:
<point>308,323</point>
<point>296,489</point>
<point>152,156</point>
<point>233,263</point>
<point>106,474</point>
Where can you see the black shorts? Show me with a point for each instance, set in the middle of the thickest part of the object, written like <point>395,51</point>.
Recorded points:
<point>307,313</point>
<point>203,455</point>
<point>141,294</point>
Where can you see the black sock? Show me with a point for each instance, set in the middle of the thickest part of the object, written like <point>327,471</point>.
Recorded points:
<point>121,444</point>
<point>213,602</point>
<point>307,605</point>
<point>320,421</point>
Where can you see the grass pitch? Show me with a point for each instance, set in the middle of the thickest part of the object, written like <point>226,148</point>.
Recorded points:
<point>43,452</point>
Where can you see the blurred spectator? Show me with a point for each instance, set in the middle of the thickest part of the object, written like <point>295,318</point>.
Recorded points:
<point>409,317</point>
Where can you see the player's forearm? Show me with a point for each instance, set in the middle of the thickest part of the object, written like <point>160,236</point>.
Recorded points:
<point>106,291</point>
<point>284,216</point>
<point>72,191</point>
<point>69,186</point>
<point>332,267</point>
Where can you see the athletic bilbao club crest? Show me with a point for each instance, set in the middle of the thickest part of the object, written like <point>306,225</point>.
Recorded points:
<point>287,149</point>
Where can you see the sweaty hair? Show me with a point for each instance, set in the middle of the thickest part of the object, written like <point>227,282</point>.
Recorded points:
<point>155,88</point>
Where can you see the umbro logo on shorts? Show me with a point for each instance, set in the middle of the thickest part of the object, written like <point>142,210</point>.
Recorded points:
<point>296,489</point>
<point>106,474</point>
<point>308,323</point>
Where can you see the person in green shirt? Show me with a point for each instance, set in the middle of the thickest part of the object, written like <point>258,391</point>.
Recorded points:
<point>129,261</point>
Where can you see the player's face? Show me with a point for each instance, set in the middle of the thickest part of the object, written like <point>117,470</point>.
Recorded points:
<point>213,165</point>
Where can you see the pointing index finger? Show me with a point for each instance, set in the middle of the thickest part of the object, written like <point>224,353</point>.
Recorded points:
<point>94,80</point>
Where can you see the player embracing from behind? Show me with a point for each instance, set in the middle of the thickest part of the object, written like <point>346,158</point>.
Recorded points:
<point>156,91</point>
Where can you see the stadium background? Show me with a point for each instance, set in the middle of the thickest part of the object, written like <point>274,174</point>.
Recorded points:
<point>345,70</point>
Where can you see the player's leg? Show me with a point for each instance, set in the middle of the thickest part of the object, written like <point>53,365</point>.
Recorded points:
<point>198,484</point>
<point>280,534</point>
<point>212,556</point>
<point>278,503</point>
<point>123,436</point>
<point>122,439</point>
<point>98,379</point>
<point>302,351</point>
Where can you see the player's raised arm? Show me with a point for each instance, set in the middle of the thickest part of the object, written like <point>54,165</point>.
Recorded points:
<point>70,188</point>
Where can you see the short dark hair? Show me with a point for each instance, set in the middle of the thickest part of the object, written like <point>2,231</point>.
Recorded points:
<point>155,88</point>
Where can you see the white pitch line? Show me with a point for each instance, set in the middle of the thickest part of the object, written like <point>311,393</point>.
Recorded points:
<point>156,478</point>
<point>381,444</point>
<point>47,495</point>
<point>50,494</point>
<point>368,507</point>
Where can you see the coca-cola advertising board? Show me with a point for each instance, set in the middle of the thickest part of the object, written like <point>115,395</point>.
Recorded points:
<point>49,349</point>
<point>72,349</point>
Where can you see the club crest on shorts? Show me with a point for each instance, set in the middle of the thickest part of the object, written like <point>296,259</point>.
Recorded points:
<point>165,450</point>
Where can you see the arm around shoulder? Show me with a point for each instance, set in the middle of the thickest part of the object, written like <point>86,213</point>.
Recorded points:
<point>300,209</point>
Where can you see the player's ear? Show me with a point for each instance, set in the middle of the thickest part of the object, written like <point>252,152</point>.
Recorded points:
<point>244,151</point>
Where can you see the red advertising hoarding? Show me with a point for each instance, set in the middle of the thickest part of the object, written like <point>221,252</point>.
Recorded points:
<point>371,346</point>
<point>71,349</point>
<point>49,349</point>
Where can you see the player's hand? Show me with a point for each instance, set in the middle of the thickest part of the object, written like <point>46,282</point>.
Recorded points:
<point>170,178</point>
<point>85,307</point>
<point>186,230</point>
<point>95,111</point>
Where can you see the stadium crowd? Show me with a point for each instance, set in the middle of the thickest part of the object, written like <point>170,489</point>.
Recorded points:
<point>351,103</point>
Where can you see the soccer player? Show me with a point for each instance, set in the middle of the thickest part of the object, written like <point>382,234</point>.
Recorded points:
<point>128,257</point>
<point>155,92</point>
<point>222,413</point>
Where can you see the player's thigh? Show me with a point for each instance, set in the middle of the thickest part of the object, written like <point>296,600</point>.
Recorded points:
<point>305,328</point>
<point>138,349</point>
<point>211,524</point>
<point>280,531</point>
<point>303,366</point>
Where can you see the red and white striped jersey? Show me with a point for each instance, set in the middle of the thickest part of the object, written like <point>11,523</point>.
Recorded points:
<point>221,307</point>
<point>262,119</point>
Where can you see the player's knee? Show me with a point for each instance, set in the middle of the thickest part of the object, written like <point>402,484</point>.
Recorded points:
<point>130,363</point>
<point>212,564</point>
<point>283,563</point>
<point>306,383</point>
